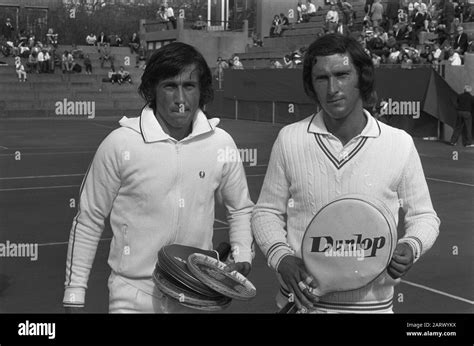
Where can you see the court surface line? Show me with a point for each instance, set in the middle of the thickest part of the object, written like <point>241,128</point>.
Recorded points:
<point>44,176</point>
<point>222,222</point>
<point>438,292</point>
<point>49,153</point>
<point>450,182</point>
<point>38,188</point>
<point>105,239</point>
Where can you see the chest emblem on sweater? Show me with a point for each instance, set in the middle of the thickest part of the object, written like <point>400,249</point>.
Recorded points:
<point>202,174</point>
<point>340,160</point>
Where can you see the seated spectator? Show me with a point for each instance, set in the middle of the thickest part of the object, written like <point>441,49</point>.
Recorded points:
<point>342,29</point>
<point>31,40</point>
<point>237,64</point>
<point>91,39</point>
<point>285,22</point>
<point>376,60</point>
<point>311,12</point>
<point>391,41</point>
<point>257,41</point>
<point>52,38</point>
<point>199,24</point>
<point>454,58</point>
<point>162,17</point>
<point>32,64</point>
<point>393,57</point>
<point>20,70</point>
<point>118,41</point>
<point>409,36</point>
<point>437,53</point>
<point>67,62</point>
<point>406,62</point>
<point>88,64</point>
<point>301,12</point>
<point>288,61</point>
<point>124,76</point>
<point>461,41</point>
<point>113,76</point>
<point>102,41</point>
<point>106,55</point>
<point>275,29</point>
<point>275,64</point>
<point>332,18</point>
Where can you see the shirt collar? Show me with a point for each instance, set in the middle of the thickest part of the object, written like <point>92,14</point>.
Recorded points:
<point>153,132</point>
<point>371,129</point>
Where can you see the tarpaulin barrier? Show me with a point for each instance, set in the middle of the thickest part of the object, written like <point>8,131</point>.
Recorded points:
<point>416,98</point>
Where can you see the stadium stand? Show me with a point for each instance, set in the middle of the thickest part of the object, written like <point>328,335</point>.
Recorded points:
<point>40,93</point>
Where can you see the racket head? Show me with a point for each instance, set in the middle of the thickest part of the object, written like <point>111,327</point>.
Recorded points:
<point>173,260</point>
<point>218,276</point>
<point>185,296</point>
<point>349,243</point>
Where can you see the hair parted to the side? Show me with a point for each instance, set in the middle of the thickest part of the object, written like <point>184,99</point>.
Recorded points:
<point>168,62</point>
<point>339,44</point>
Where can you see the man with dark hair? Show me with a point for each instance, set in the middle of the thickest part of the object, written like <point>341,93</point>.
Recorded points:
<point>340,150</point>
<point>157,177</point>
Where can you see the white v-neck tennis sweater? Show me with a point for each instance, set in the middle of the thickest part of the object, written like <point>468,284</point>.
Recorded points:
<point>309,168</point>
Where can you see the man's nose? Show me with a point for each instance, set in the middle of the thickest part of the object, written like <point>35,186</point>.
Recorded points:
<point>332,86</point>
<point>179,95</point>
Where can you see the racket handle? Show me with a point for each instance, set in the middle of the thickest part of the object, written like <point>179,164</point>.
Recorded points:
<point>223,249</point>
<point>289,308</point>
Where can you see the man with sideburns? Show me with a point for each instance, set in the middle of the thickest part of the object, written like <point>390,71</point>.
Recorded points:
<point>339,151</point>
<point>157,177</point>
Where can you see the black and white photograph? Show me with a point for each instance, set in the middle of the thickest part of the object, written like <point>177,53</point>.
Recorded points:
<point>206,161</point>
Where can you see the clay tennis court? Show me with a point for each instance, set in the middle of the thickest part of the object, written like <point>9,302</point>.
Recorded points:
<point>42,164</point>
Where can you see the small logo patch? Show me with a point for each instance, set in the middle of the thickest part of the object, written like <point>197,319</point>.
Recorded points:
<point>202,174</point>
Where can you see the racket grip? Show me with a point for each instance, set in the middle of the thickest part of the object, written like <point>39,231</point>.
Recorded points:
<point>223,249</point>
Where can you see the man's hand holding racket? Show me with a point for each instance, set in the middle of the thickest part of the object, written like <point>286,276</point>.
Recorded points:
<point>299,282</point>
<point>402,261</point>
<point>242,267</point>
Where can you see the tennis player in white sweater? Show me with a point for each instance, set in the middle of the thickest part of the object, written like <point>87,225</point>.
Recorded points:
<point>340,150</point>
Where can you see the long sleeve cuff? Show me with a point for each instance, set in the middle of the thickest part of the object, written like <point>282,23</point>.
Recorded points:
<point>276,253</point>
<point>415,245</point>
<point>74,297</point>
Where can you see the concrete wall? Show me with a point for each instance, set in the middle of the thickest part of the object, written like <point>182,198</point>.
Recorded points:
<point>215,44</point>
<point>211,44</point>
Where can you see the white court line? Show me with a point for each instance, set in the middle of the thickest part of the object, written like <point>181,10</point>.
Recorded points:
<point>450,182</point>
<point>66,242</point>
<point>38,188</point>
<point>106,239</point>
<point>43,176</point>
<point>2,147</point>
<point>51,153</point>
<point>222,222</point>
<point>439,292</point>
<point>255,175</point>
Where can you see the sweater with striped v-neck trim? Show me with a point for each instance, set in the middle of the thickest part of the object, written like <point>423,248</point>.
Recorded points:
<point>309,167</point>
